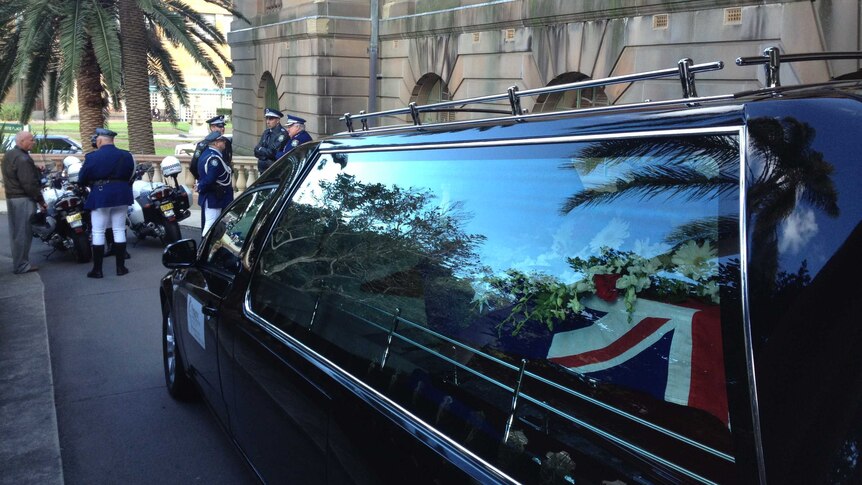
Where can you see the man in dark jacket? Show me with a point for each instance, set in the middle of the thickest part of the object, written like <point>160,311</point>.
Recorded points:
<point>23,192</point>
<point>216,123</point>
<point>272,141</point>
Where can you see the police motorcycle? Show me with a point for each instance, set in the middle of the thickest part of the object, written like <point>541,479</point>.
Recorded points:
<point>159,207</point>
<point>64,224</point>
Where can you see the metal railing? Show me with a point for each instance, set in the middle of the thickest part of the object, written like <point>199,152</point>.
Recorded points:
<point>772,59</point>
<point>685,70</point>
<point>245,170</point>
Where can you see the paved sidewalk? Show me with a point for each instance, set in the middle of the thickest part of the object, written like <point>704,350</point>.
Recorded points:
<point>29,442</point>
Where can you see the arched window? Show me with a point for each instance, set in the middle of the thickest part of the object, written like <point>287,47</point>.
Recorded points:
<point>432,89</point>
<point>269,91</point>
<point>573,99</point>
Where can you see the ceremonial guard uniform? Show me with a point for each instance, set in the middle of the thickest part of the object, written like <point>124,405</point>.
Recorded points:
<point>108,172</point>
<point>298,135</point>
<point>216,123</point>
<point>272,141</point>
<point>215,187</point>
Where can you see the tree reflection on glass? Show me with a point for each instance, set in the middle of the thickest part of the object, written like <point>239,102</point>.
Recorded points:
<point>390,240</point>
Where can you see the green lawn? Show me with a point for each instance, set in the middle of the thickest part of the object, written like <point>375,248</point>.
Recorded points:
<point>163,147</point>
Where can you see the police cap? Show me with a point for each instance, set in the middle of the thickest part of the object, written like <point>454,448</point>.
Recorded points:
<point>214,136</point>
<point>216,120</point>
<point>105,132</point>
<point>272,113</point>
<point>294,119</point>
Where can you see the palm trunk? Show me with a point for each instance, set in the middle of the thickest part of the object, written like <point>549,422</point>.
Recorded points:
<point>136,81</point>
<point>91,100</point>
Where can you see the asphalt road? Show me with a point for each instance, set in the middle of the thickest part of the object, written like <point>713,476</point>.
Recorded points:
<point>116,421</point>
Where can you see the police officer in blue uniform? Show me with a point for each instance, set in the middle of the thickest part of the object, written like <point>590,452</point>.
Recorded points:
<point>296,131</point>
<point>272,141</point>
<point>215,187</point>
<point>216,123</point>
<point>108,172</point>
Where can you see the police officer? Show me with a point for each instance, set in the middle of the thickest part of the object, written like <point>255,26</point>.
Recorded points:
<point>215,187</point>
<point>216,123</point>
<point>108,172</point>
<point>297,133</point>
<point>272,140</point>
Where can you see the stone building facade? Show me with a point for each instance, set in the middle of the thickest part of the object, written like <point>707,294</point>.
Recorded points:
<point>312,57</point>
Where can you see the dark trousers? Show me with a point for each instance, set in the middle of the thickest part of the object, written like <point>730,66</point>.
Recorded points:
<point>20,232</point>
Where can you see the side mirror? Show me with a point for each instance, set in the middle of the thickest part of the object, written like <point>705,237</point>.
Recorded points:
<point>181,254</point>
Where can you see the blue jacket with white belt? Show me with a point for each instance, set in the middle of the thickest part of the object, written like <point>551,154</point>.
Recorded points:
<point>215,187</point>
<point>108,172</point>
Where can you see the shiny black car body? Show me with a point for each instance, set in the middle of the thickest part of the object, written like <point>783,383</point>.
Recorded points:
<point>658,293</point>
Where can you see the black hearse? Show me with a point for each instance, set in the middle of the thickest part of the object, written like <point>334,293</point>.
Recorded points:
<point>666,292</point>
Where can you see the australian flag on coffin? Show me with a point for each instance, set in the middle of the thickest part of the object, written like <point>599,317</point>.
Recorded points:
<point>671,352</point>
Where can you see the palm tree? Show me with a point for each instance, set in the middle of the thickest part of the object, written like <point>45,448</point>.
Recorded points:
<point>146,27</point>
<point>59,46</point>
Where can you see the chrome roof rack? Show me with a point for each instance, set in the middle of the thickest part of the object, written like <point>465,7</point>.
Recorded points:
<point>685,70</point>
<point>772,59</point>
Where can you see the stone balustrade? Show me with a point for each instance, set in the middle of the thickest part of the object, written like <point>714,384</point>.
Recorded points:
<point>244,169</point>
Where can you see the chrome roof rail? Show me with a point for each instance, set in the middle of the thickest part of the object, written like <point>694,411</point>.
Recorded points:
<point>685,69</point>
<point>772,59</point>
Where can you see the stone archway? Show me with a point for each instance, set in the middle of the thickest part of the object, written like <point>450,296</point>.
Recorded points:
<point>574,99</point>
<point>430,89</point>
<point>267,97</point>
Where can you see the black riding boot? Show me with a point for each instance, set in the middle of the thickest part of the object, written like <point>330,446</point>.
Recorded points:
<point>120,254</point>
<point>98,254</point>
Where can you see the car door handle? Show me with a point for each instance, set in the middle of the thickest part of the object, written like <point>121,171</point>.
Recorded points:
<point>209,311</point>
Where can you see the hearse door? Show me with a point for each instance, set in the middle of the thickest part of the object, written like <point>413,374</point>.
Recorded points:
<point>203,288</point>
<point>280,403</point>
<point>208,285</point>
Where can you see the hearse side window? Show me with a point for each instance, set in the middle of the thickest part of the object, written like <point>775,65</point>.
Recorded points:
<point>805,233</point>
<point>434,275</point>
<point>227,236</point>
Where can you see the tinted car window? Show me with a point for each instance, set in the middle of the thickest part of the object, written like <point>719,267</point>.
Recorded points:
<point>585,275</point>
<point>805,239</point>
<point>228,235</point>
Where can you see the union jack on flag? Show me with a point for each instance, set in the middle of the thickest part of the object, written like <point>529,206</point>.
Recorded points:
<point>671,352</point>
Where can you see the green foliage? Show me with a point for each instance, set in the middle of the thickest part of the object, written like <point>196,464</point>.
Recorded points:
<point>5,134</point>
<point>10,111</point>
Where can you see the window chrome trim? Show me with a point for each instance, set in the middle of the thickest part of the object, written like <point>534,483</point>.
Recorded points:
<point>408,421</point>
<point>383,403</point>
<point>746,310</point>
<point>504,386</point>
<point>728,130</point>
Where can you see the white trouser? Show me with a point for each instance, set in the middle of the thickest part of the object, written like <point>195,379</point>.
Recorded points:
<point>109,216</point>
<point>210,216</point>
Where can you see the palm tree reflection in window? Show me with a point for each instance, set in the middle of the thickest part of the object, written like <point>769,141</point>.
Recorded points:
<point>789,171</point>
